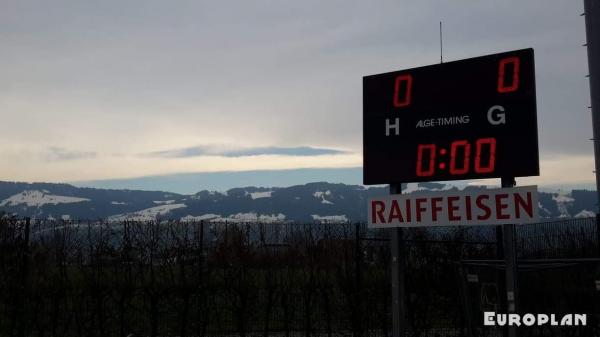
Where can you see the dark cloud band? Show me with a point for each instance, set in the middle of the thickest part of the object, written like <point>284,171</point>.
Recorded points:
<point>60,154</point>
<point>198,151</point>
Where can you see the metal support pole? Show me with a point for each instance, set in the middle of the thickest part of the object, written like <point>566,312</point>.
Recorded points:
<point>510,256</point>
<point>462,272</point>
<point>398,276</point>
<point>500,275</point>
<point>592,31</point>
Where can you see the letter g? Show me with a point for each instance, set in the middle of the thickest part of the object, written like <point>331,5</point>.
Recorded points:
<point>494,117</point>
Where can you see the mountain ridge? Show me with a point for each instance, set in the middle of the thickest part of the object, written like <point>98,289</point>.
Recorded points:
<point>310,202</point>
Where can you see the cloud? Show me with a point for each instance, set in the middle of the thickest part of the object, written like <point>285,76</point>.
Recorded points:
<point>558,171</point>
<point>204,150</point>
<point>189,183</point>
<point>60,154</point>
<point>133,77</point>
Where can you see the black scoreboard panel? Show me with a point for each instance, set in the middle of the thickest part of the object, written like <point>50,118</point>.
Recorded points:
<point>468,119</point>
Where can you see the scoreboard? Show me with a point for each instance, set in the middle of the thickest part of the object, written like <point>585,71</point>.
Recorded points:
<point>468,119</point>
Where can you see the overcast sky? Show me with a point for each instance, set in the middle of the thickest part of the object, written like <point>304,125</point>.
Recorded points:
<point>97,90</point>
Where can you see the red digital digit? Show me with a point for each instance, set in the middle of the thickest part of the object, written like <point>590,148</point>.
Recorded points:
<point>502,86</point>
<point>422,148</point>
<point>491,142</point>
<point>400,102</point>
<point>467,156</point>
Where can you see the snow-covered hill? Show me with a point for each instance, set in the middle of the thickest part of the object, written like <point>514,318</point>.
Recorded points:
<point>314,202</point>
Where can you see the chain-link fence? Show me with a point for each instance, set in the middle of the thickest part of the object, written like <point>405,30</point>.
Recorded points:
<point>69,278</point>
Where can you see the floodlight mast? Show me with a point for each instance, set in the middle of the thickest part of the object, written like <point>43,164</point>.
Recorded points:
<point>592,29</point>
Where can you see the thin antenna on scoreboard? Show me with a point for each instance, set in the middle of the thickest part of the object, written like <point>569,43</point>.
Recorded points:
<point>441,46</point>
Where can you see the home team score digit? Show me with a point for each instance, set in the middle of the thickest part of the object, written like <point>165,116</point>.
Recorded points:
<point>473,118</point>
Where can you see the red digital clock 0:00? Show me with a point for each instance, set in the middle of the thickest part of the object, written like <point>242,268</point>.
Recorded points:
<point>460,157</point>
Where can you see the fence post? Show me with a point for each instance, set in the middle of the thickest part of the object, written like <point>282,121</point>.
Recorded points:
<point>24,281</point>
<point>358,290</point>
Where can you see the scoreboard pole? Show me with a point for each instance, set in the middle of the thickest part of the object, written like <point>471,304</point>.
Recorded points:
<point>510,258</point>
<point>398,252</point>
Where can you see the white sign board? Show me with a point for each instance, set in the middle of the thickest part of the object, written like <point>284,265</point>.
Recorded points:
<point>516,205</point>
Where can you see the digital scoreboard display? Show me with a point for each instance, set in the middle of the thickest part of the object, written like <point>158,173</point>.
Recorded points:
<point>468,119</point>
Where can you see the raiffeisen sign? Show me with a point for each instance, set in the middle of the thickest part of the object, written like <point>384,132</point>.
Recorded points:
<point>516,205</point>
